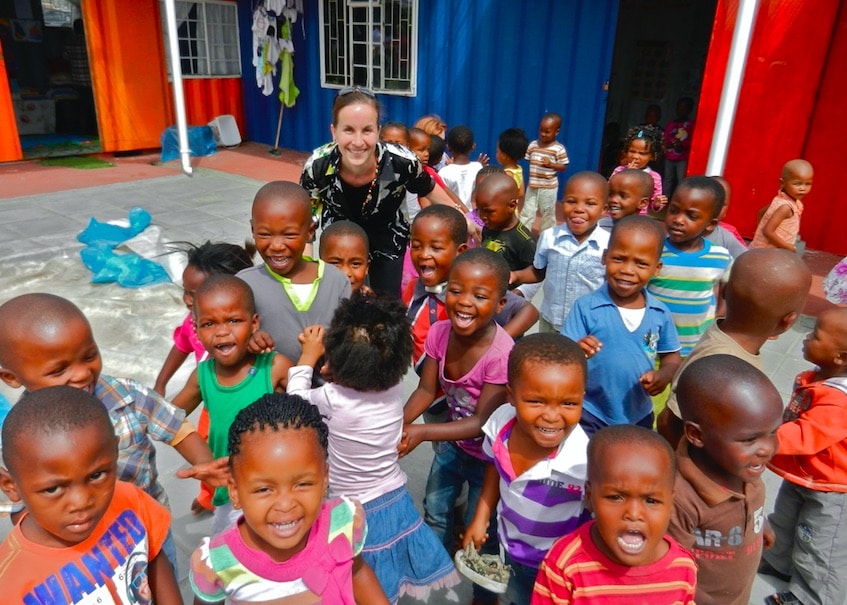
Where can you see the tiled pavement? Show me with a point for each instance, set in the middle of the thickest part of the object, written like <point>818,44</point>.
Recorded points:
<point>39,252</point>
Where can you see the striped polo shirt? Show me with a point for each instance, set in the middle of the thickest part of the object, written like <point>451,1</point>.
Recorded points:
<point>545,502</point>
<point>686,284</point>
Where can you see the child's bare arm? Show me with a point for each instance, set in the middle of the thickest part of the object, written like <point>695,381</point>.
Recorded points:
<point>527,275</point>
<point>189,397</point>
<point>279,372</point>
<point>312,341</point>
<point>261,342</point>
<point>163,586</point>
<point>769,230</point>
<point>655,381</point>
<point>424,395</point>
<point>590,345</point>
<point>490,398</point>
<point>477,531</point>
<point>548,163</point>
<point>522,321</point>
<point>204,467</point>
<point>173,361</point>
<point>366,588</point>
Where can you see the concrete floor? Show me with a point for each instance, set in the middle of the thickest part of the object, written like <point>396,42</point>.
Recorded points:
<point>45,208</point>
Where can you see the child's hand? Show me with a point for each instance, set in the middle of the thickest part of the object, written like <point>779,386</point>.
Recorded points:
<point>768,535</point>
<point>260,342</point>
<point>474,231</point>
<point>590,346</point>
<point>484,159</point>
<point>214,473</point>
<point>659,202</point>
<point>411,438</point>
<point>312,339</point>
<point>653,382</point>
<point>476,532</point>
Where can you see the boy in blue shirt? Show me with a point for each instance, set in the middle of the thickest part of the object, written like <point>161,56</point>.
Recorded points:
<point>622,328</point>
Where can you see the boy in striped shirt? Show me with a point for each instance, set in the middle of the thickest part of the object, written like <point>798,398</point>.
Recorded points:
<point>537,452</point>
<point>624,556</point>
<point>692,267</point>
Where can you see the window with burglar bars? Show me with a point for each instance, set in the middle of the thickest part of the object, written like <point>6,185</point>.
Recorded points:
<point>208,38</point>
<point>372,43</point>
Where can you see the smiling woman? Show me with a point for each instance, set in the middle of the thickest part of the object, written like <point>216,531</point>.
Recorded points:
<point>358,178</point>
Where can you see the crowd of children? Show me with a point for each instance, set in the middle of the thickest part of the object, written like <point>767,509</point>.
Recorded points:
<point>551,435</point>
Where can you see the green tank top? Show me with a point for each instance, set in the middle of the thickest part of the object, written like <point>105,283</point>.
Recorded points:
<point>223,403</point>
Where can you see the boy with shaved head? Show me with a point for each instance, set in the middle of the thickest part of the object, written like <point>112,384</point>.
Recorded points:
<point>764,296</point>
<point>731,412</point>
<point>779,223</point>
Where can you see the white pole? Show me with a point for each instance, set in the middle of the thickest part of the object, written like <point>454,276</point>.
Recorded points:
<point>179,95</point>
<point>741,37</point>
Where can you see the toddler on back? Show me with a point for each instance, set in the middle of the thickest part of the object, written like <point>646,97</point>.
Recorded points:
<point>536,451</point>
<point>623,329</point>
<point>624,556</point>
<point>779,223</point>
<point>731,412</point>
<point>810,512</point>
<point>368,351</point>
<point>233,377</point>
<point>466,357</point>
<point>568,256</point>
<point>290,544</point>
<point>642,145</point>
<point>547,158</point>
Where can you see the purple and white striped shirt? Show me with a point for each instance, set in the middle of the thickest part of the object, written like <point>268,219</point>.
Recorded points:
<point>545,502</point>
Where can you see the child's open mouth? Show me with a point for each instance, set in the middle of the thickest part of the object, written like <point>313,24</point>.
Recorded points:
<point>463,320</point>
<point>632,542</point>
<point>226,348</point>
<point>287,529</point>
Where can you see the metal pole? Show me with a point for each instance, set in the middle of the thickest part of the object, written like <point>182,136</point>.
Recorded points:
<point>179,95</point>
<point>741,37</point>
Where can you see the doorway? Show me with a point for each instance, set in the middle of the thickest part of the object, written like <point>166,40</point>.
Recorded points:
<point>49,77</point>
<point>659,57</point>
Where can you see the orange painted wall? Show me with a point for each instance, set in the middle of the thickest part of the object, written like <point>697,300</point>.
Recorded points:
<point>777,104</point>
<point>127,71</point>
<point>10,144</point>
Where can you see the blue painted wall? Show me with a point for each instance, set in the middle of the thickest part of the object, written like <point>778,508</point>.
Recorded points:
<point>490,64</point>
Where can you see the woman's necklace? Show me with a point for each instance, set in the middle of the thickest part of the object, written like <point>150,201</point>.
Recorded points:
<point>370,194</point>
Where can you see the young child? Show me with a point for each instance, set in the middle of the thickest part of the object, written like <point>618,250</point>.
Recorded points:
<point>203,260</point>
<point>764,296</point>
<point>86,537</point>
<point>394,132</point>
<point>512,146</point>
<point>624,556</point>
<point>724,234</point>
<point>367,353</point>
<point>779,223</point>
<point>571,251</point>
<point>466,357</point>
<point>547,157</point>
<point>289,544</point>
<point>537,454</point>
<point>692,267</point>
<point>47,341</point>
<point>677,142</point>
<point>459,175</point>
<point>630,191</point>
<point>496,201</point>
<point>810,512</point>
<point>292,291</point>
<point>642,145</point>
<point>344,245</point>
<point>622,329</point>
<point>731,413</point>
<point>232,377</point>
<point>439,234</point>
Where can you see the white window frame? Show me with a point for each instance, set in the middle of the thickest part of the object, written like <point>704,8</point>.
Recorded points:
<point>204,59</point>
<point>377,77</point>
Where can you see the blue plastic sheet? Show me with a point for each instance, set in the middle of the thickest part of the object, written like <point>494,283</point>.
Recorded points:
<point>129,269</point>
<point>201,141</point>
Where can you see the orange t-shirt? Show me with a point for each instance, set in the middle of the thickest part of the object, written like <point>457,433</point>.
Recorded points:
<point>110,566</point>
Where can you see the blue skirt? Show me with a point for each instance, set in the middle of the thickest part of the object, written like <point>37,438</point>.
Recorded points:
<point>403,551</point>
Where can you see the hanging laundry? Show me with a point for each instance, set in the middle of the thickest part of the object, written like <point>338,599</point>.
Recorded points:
<point>288,91</point>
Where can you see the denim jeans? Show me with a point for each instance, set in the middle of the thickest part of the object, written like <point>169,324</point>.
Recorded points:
<point>451,469</point>
<point>521,583</point>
